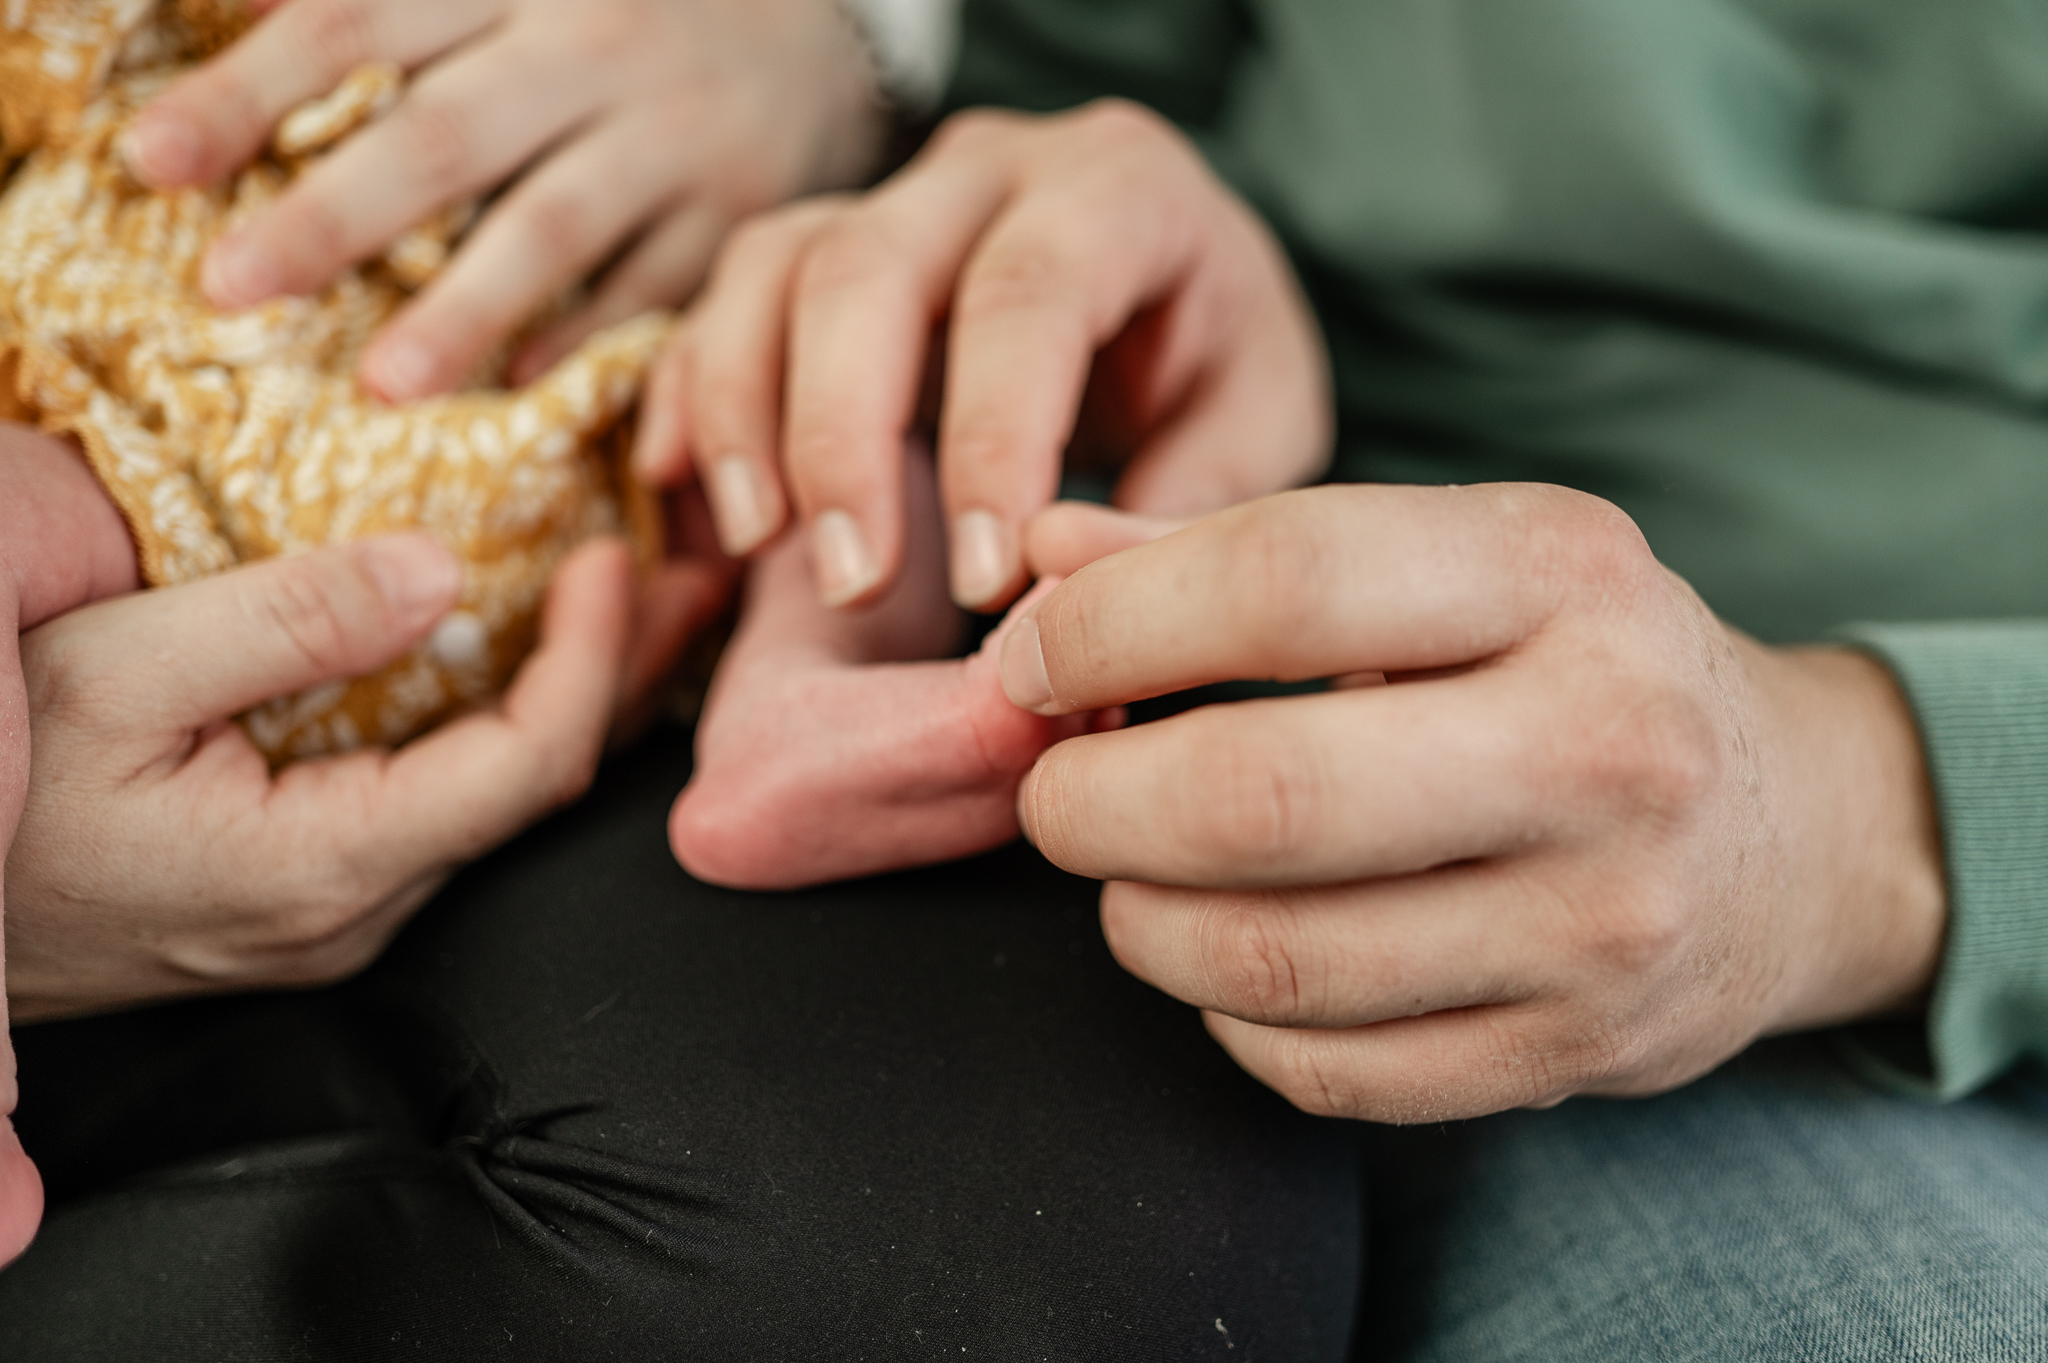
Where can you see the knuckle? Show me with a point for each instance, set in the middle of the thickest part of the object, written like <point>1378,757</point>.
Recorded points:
<point>434,139</point>
<point>1041,268</point>
<point>1258,976</point>
<point>1313,1077</point>
<point>1254,803</point>
<point>1248,802</point>
<point>560,228</point>
<point>754,246</point>
<point>60,672</point>
<point>1523,1066</point>
<point>318,232</point>
<point>1597,1053</point>
<point>301,611</point>
<point>851,254</point>
<point>971,131</point>
<point>226,90</point>
<point>339,34</point>
<point>738,182</point>
<point>1284,572</point>
<point>1601,545</point>
<point>1640,938</point>
<point>1656,756</point>
<point>1121,120</point>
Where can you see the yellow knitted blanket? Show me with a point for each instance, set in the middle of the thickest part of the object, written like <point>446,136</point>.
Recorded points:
<point>229,438</point>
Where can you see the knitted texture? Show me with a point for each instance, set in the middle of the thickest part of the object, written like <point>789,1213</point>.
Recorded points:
<point>1980,692</point>
<point>230,438</point>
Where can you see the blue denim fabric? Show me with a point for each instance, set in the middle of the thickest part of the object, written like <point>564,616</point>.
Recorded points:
<point>1779,1209</point>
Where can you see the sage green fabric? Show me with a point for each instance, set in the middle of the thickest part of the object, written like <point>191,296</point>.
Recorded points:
<point>1981,695</point>
<point>1772,275</point>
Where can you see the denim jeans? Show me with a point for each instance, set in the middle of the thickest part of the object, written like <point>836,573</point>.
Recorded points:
<point>1779,1209</point>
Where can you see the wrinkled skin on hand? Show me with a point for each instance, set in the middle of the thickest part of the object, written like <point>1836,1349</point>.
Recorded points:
<point>1562,831</point>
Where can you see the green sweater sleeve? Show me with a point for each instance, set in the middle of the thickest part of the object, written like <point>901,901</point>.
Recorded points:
<point>1980,692</point>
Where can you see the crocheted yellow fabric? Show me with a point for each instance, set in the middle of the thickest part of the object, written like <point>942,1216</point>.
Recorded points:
<point>229,438</point>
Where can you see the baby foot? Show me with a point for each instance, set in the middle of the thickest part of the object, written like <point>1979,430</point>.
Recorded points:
<point>821,756</point>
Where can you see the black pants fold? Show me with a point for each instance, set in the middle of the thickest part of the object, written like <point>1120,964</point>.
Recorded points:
<point>589,1108</point>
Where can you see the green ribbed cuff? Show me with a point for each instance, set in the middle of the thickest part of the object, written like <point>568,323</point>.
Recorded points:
<point>1980,691</point>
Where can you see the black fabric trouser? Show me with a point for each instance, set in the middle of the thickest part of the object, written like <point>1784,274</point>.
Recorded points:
<point>586,1107</point>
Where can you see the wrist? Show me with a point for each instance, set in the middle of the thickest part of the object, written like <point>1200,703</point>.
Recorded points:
<point>1862,840</point>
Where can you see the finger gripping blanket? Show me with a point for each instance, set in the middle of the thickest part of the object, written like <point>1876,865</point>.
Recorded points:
<point>227,438</point>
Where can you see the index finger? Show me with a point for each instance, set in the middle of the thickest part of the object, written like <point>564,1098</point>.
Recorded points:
<point>871,286</point>
<point>214,120</point>
<point>1311,584</point>
<point>1107,222</point>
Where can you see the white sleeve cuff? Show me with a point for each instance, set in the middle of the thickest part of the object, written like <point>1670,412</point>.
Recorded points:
<point>915,44</point>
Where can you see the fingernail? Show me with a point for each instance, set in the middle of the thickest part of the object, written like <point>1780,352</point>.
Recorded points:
<point>418,579</point>
<point>1024,677</point>
<point>161,149</point>
<point>742,511</point>
<point>984,558</point>
<point>1027,806</point>
<point>237,274</point>
<point>846,569</point>
<point>400,369</point>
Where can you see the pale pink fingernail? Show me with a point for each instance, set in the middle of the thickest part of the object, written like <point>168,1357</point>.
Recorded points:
<point>237,274</point>
<point>1024,677</point>
<point>846,567</point>
<point>400,368</point>
<point>161,149</point>
<point>984,558</point>
<point>417,578</point>
<point>741,505</point>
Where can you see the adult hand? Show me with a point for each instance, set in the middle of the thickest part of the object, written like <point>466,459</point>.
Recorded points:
<point>158,856</point>
<point>651,125</point>
<point>1100,290</point>
<point>1588,840</point>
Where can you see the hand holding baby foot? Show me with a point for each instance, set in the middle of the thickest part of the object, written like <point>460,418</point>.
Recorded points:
<point>1585,839</point>
<point>823,755</point>
<point>633,124</point>
<point>1101,292</point>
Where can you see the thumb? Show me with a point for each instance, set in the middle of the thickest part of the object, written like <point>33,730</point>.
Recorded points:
<point>204,651</point>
